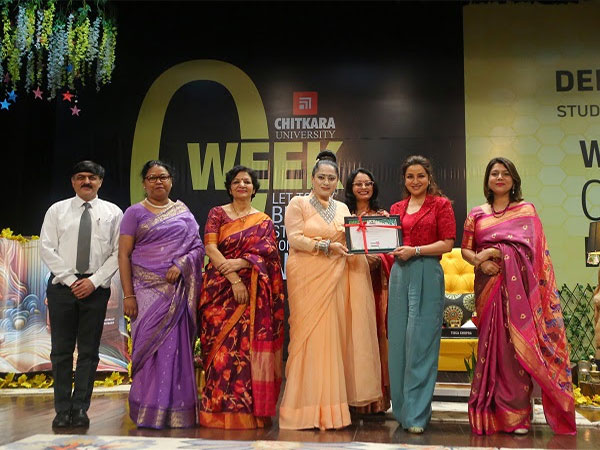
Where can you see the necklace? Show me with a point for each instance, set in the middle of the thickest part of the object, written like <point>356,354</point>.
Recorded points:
<point>328,214</point>
<point>158,206</point>
<point>242,217</point>
<point>501,212</point>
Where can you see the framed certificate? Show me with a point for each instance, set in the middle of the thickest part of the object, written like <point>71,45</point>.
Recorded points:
<point>379,234</point>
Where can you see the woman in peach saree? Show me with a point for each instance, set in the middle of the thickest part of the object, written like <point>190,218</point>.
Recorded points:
<point>333,359</point>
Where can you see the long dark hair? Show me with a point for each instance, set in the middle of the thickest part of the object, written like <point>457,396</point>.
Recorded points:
<point>351,198</point>
<point>515,194</point>
<point>418,160</point>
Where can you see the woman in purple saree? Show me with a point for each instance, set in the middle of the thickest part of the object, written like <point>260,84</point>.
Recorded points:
<point>160,263</point>
<point>518,313</point>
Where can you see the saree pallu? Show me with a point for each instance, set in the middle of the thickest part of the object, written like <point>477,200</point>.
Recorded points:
<point>521,328</point>
<point>163,391</point>
<point>380,276</point>
<point>242,343</point>
<point>415,308</point>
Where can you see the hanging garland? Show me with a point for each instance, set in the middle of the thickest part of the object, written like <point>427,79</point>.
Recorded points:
<point>49,48</point>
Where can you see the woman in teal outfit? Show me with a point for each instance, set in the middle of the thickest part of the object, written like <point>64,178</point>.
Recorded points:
<point>416,296</point>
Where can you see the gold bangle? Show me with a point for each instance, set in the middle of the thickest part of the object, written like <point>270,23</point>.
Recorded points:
<point>128,296</point>
<point>236,282</point>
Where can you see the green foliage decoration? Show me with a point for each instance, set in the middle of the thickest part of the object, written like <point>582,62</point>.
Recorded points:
<point>48,44</point>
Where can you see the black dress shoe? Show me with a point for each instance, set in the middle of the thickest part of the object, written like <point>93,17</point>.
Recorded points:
<point>79,418</point>
<point>62,420</point>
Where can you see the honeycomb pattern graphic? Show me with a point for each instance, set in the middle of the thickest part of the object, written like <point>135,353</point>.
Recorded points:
<point>511,102</point>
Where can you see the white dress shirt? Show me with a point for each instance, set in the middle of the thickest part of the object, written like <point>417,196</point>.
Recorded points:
<point>60,233</point>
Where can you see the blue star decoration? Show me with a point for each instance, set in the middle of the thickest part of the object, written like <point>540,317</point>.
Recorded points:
<point>12,96</point>
<point>4,104</point>
<point>70,68</point>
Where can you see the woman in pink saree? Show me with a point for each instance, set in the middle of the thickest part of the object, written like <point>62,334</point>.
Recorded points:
<point>518,313</point>
<point>160,263</point>
<point>241,311</point>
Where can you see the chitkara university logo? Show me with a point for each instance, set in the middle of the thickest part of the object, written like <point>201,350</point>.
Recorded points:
<point>305,103</point>
<point>303,134</point>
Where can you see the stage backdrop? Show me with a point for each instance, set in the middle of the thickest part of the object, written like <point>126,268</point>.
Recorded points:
<point>206,86</point>
<point>209,85</point>
<point>24,321</point>
<point>532,94</point>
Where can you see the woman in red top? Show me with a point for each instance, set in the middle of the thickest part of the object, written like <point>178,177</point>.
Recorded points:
<point>416,296</point>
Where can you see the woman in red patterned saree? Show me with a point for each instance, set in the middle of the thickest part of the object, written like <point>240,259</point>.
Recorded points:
<point>518,313</point>
<point>361,199</point>
<point>241,311</point>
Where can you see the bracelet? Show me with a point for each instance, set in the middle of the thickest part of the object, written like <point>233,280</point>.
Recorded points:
<point>417,251</point>
<point>128,296</point>
<point>323,246</point>
<point>239,280</point>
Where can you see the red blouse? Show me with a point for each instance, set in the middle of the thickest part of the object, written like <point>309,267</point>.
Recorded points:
<point>433,222</point>
<point>407,223</point>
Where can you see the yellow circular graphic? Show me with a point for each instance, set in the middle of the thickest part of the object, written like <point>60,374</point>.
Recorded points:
<point>453,316</point>
<point>469,302</point>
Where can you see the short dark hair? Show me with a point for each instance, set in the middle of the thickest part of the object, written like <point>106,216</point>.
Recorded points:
<point>515,194</point>
<point>326,157</point>
<point>88,166</point>
<point>418,160</point>
<point>351,198</point>
<point>229,176</point>
<point>157,162</point>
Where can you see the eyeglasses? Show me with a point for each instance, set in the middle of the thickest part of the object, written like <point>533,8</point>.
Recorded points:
<point>154,178</point>
<point>364,184</point>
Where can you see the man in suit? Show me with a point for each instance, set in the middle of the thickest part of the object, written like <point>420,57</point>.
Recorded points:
<point>79,244</point>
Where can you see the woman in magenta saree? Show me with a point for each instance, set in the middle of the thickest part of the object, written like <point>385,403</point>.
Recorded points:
<point>241,312</point>
<point>160,262</point>
<point>518,313</point>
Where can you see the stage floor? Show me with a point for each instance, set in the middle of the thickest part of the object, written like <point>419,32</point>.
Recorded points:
<point>23,416</point>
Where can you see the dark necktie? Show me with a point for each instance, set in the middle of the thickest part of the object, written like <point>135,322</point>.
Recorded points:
<point>84,240</point>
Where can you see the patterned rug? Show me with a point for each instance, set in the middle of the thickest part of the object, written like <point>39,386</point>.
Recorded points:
<point>79,442</point>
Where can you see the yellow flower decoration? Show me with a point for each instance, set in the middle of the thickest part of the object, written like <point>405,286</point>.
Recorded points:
<point>42,381</point>
<point>584,400</point>
<point>7,233</point>
<point>114,379</point>
<point>23,381</point>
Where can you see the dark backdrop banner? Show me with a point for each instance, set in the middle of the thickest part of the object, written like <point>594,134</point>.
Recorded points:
<point>209,85</point>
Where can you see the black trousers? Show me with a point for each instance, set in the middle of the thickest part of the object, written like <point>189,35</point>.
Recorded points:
<point>74,321</point>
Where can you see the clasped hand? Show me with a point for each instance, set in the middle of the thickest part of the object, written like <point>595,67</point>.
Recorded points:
<point>232,265</point>
<point>489,267</point>
<point>337,248</point>
<point>173,274</point>
<point>82,288</point>
<point>404,252</point>
<point>484,260</point>
<point>240,293</point>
